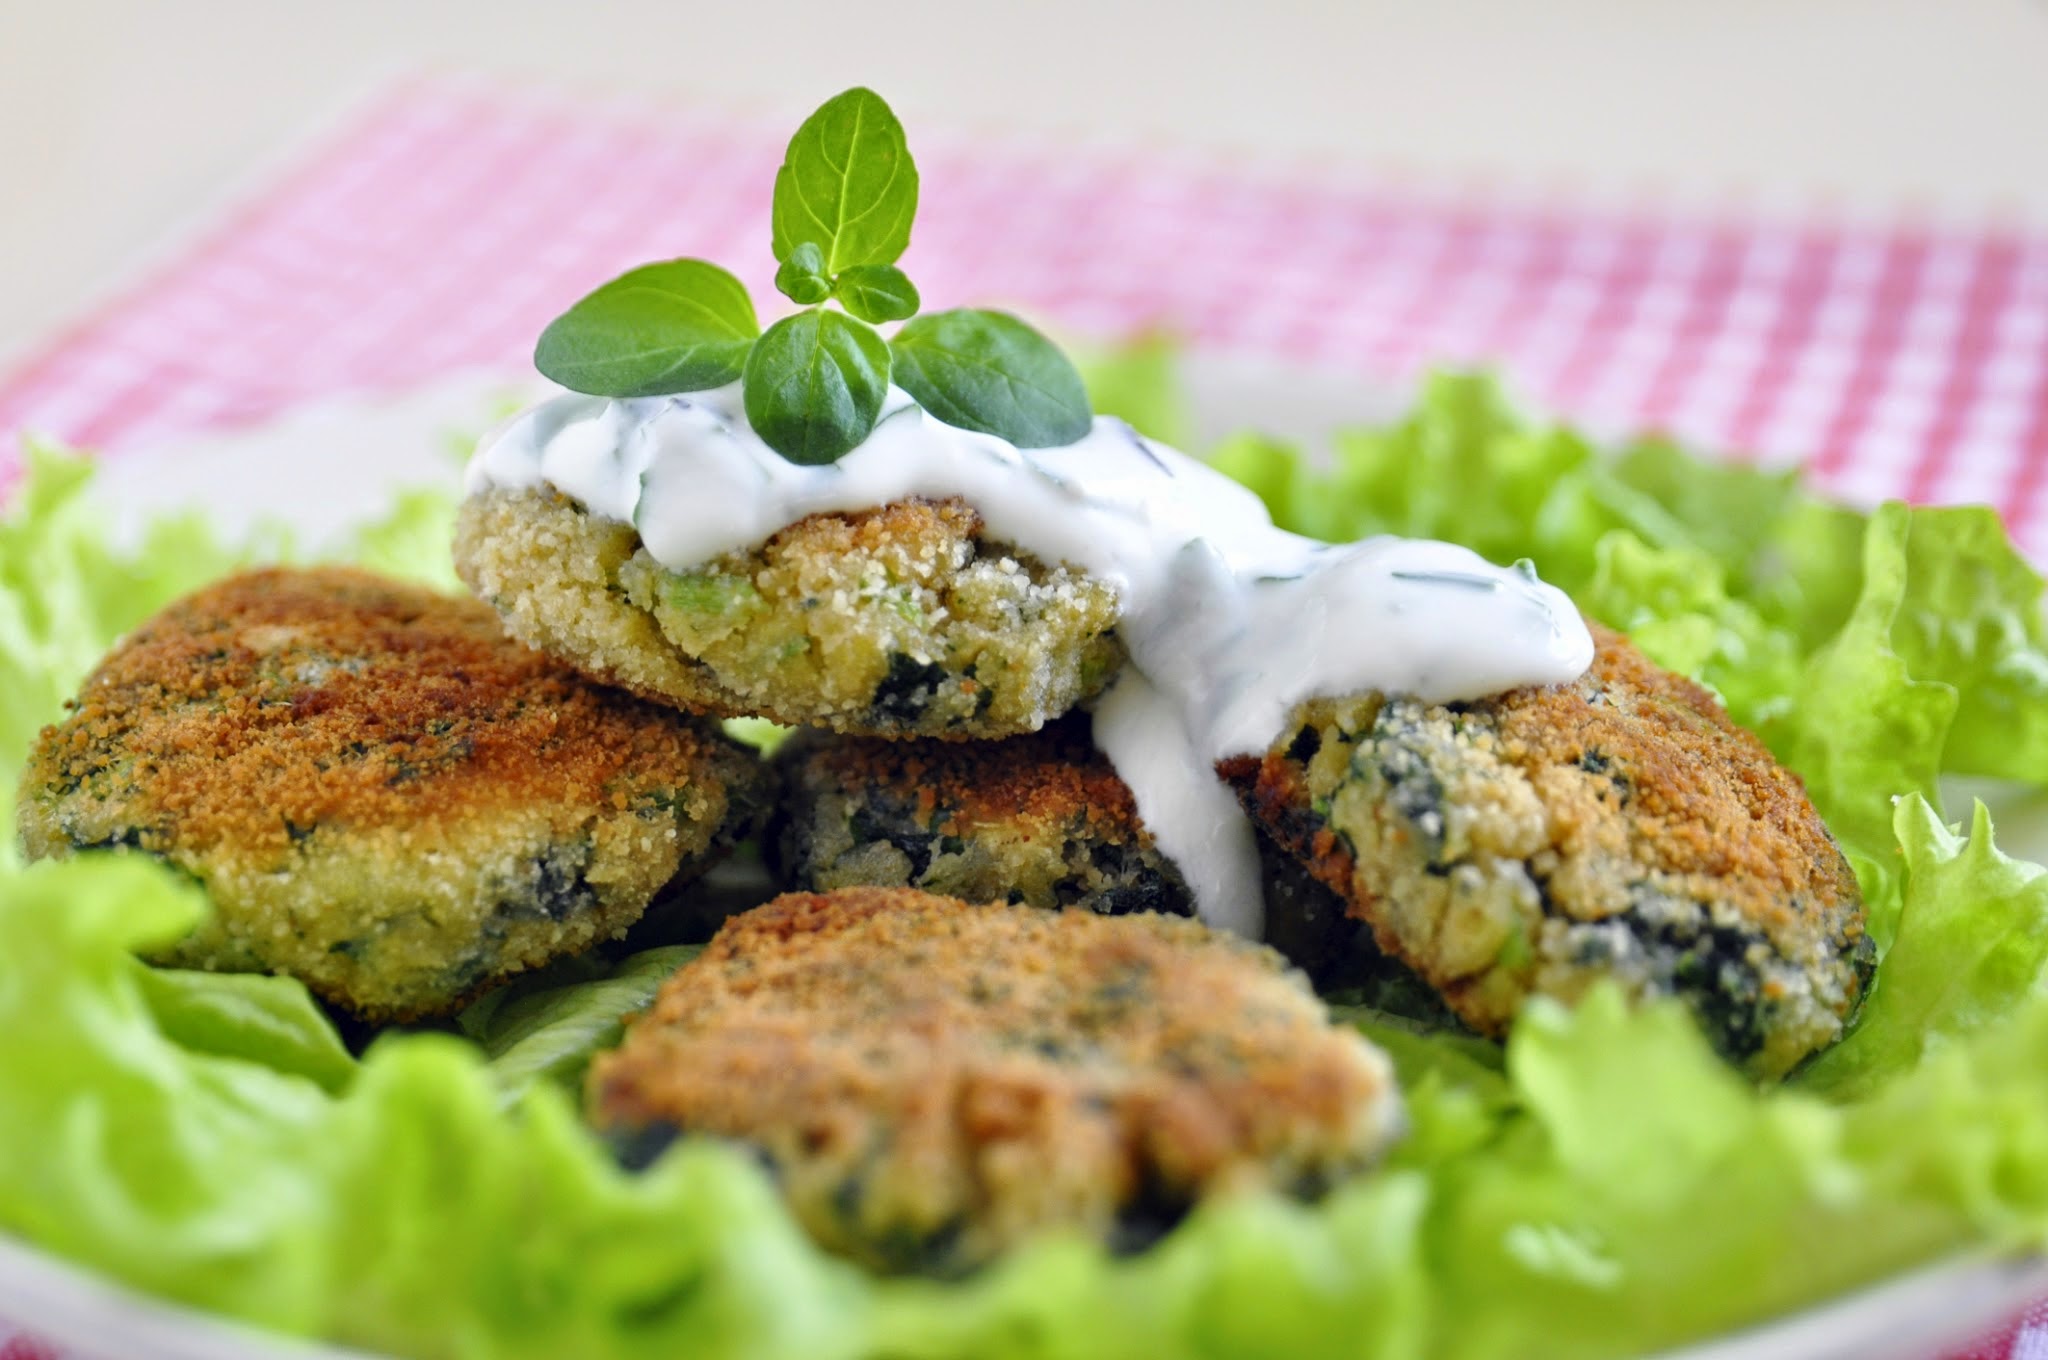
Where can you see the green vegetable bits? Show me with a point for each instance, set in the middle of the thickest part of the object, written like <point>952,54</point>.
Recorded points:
<point>815,382</point>
<point>1870,652</point>
<point>1603,1187</point>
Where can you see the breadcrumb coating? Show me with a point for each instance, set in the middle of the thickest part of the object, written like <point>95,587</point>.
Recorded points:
<point>1040,819</point>
<point>383,795</point>
<point>933,1083</point>
<point>899,621</point>
<point>1537,841</point>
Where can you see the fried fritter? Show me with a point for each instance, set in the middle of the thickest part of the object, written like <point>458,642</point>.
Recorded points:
<point>899,621</point>
<point>1314,931</point>
<point>1535,842</point>
<point>934,1082</point>
<point>1040,819</point>
<point>383,795</point>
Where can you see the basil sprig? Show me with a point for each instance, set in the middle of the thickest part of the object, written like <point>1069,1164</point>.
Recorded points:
<point>876,292</point>
<point>802,276</point>
<point>988,371</point>
<point>677,327</point>
<point>847,185</point>
<point>815,382</point>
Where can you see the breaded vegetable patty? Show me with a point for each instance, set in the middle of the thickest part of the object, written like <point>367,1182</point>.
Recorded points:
<point>933,1082</point>
<point>901,621</point>
<point>1313,930</point>
<point>384,795</point>
<point>1536,842</point>
<point>1039,819</point>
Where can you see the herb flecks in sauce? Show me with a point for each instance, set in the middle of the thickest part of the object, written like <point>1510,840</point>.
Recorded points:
<point>1228,621</point>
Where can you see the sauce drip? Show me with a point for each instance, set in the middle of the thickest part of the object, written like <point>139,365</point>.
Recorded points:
<point>1229,621</point>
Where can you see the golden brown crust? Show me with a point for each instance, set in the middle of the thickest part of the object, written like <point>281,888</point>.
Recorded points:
<point>1476,837</point>
<point>334,728</point>
<point>934,1081</point>
<point>899,621</point>
<point>1045,777</point>
<point>216,696</point>
<point>1708,802</point>
<point>1040,819</point>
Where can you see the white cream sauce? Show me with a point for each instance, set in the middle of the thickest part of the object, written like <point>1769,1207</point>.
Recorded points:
<point>1228,620</point>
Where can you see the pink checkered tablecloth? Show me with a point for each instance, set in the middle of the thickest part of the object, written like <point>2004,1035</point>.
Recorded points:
<point>444,224</point>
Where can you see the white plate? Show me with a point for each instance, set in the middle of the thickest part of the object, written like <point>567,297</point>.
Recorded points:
<point>327,467</point>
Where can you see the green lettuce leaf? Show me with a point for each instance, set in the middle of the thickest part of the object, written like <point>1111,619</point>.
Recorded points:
<point>547,1026</point>
<point>1614,1188</point>
<point>405,1211</point>
<point>68,587</point>
<point>1455,1086</point>
<point>1642,1194</point>
<point>177,1169</point>
<point>1731,512</point>
<point>759,733</point>
<point>411,541</point>
<point>66,590</point>
<point>1865,729</point>
<point>1971,617</point>
<point>1600,1187</point>
<point>1971,944</point>
<point>272,1021</point>
<point>1462,467</point>
<point>1872,653</point>
<point>1676,604</point>
<point>453,1227</point>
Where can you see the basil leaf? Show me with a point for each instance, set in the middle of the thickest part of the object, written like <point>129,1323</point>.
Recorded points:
<point>990,372</point>
<point>876,292</point>
<point>815,384</point>
<point>847,184</point>
<point>681,326</point>
<point>802,276</point>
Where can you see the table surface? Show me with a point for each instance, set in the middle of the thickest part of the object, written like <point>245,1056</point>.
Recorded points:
<point>121,118</point>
